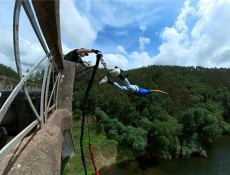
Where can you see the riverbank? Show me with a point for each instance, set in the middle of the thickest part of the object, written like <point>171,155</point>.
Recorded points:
<point>217,162</point>
<point>106,152</point>
<point>108,155</point>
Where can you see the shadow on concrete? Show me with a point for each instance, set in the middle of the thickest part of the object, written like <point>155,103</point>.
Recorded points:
<point>17,152</point>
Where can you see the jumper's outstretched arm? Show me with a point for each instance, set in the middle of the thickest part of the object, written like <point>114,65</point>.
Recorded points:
<point>159,91</point>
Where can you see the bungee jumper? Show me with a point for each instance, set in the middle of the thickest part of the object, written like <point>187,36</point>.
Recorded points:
<point>128,88</point>
<point>76,54</point>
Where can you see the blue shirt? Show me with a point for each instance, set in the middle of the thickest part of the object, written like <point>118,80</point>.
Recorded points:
<point>142,92</point>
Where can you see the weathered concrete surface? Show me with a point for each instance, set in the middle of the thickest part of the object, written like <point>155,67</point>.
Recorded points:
<point>47,12</point>
<point>65,89</point>
<point>65,98</point>
<point>39,153</point>
<point>42,152</point>
<point>68,147</point>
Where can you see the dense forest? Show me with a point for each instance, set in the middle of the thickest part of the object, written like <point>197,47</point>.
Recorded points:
<point>10,73</point>
<point>183,123</point>
<point>7,71</point>
<point>175,126</point>
<point>159,126</point>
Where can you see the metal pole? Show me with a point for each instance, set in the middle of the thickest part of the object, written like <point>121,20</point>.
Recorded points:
<point>13,94</point>
<point>43,92</point>
<point>17,9</point>
<point>28,9</point>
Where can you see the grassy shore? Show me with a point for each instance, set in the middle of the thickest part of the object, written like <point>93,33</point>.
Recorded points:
<point>106,152</point>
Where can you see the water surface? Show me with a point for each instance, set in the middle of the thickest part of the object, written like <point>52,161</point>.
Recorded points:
<point>217,163</point>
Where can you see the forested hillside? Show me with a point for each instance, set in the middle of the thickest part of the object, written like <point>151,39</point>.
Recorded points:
<point>37,77</point>
<point>7,71</point>
<point>183,123</point>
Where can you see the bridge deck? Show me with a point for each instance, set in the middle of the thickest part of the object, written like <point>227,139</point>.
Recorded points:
<point>40,152</point>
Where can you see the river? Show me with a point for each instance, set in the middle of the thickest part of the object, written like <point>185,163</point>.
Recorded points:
<point>217,163</point>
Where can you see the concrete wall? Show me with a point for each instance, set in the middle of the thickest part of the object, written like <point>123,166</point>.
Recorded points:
<point>42,151</point>
<point>65,98</point>
<point>65,90</point>
<point>39,153</point>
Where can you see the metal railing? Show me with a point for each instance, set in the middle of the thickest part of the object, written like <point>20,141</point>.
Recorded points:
<point>49,89</point>
<point>8,84</point>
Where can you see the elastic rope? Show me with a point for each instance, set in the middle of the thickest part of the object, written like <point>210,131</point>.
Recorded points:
<point>87,120</point>
<point>82,73</point>
<point>84,109</point>
<point>92,159</point>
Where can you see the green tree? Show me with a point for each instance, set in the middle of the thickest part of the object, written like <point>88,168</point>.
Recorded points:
<point>200,125</point>
<point>135,138</point>
<point>198,99</point>
<point>114,129</point>
<point>164,137</point>
<point>8,72</point>
<point>38,77</point>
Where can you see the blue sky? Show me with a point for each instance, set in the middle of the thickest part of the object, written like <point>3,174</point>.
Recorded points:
<point>131,33</point>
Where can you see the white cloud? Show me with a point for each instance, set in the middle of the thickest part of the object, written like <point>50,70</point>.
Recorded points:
<point>29,47</point>
<point>173,49</point>
<point>30,52</point>
<point>75,28</point>
<point>142,27</point>
<point>113,60</point>
<point>199,36</point>
<point>122,50</point>
<point>143,41</point>
<point>134,60</point>
<point>207,43</point>
<point>6,43</point>
<point>7,62</point>
<point>139,60</point>
<point>119,13</point>
<point>65,49</point>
